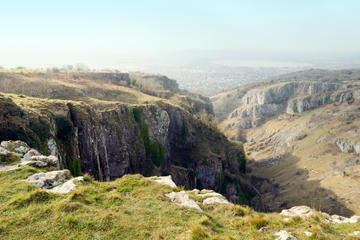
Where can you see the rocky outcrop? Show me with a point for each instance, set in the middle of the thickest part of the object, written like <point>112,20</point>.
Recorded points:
<point>47,180</point>
<point>166,180</point>
<point>305,211</point>
<point>215,200</point>
<point>183,199</point>
<point>66,187</point>
<point>262,103</point>
<point>347,145</point>
<point>284,235</point>
<point>301,211</point>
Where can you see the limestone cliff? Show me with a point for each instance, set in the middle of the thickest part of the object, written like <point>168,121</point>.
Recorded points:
<point>152,139</point>
<point>253,104</point>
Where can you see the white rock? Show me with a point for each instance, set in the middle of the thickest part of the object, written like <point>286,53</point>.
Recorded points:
<point>7,168</point>
<point>284,235</point>
<point>166,180</point>
<point>66,187</point>
<point>354,219</point>
<point>301,211</point>
<point>4,151</point>
<point>17,146</point>
<point>308,234</point>
<point>210,194</point>
<point>22,149</point>
<point>183,199</point>
<point>356,233</point>
<point>49,160</point>
<point>336,219</point>
<point>195,191</point>
<point>203,191</point>
<point>29,154</point>
<point>263,229</point>
<point>51,179</point>
<point>213,200</point>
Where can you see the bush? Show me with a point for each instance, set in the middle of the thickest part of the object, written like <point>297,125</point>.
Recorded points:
<point>9,158</point>
<point>37,196</point>
<point>137,111</point>
<point>129,182</point>
<point>75,167</point>
<point>198,233</point>
<point>258,222</point>
<point>241,158</point>
<point>64,129</point>
<point>157,153</point>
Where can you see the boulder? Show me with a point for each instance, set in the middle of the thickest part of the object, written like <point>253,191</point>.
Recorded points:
<point>301,211</point>
<point>336,219</point>
<point>51,179</point>
<point>356,233</point>
<point>66,187</point>
<point>29,154</point>
<point>16,146</point>
<point>213,200</point>
<point>183,199</point>
<point>211,194</point>
<point>166,180</point>
<point>49,160</point>
<point>284,235</point>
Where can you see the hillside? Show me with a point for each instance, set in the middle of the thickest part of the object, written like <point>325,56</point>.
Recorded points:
<point>97,123</point>
<point>301,130</point>
<point>38,201</point>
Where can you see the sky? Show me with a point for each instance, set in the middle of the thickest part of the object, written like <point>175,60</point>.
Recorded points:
<point>107,33</point>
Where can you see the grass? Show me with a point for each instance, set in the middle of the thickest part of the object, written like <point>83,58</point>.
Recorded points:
<point>134,207</point>
<point>11,158</point>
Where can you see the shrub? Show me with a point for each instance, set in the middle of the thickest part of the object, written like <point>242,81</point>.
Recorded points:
<point>198,233</point>
<point>157,153</point>
<point>241,158</point>
<point>37,196</point>
<point>137,111</point>
<point>258,222</point>
<point>75,167</point>
<point>9,158</point>
<point>64,128</point>
<point>239,211</point>
<point>129,182</point>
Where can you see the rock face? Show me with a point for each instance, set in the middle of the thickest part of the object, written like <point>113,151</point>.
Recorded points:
<point>294,97</point>
<point>250,105</point>
<point>347,145</point>
<point>183,199</point>
<point>153,139</point>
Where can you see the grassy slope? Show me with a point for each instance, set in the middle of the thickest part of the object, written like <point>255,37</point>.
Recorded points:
<point>310,163</point>
<point>133,208</point>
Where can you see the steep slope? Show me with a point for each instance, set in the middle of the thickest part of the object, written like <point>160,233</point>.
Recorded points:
<point>301,131</point>
<point>252,104</point>
<point>108,130</point>
<point>312,159</point>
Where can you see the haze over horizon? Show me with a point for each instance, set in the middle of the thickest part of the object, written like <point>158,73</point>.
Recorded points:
<point>113,34</point>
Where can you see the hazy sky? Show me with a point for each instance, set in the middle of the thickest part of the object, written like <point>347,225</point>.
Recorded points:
<point>106,33</point>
